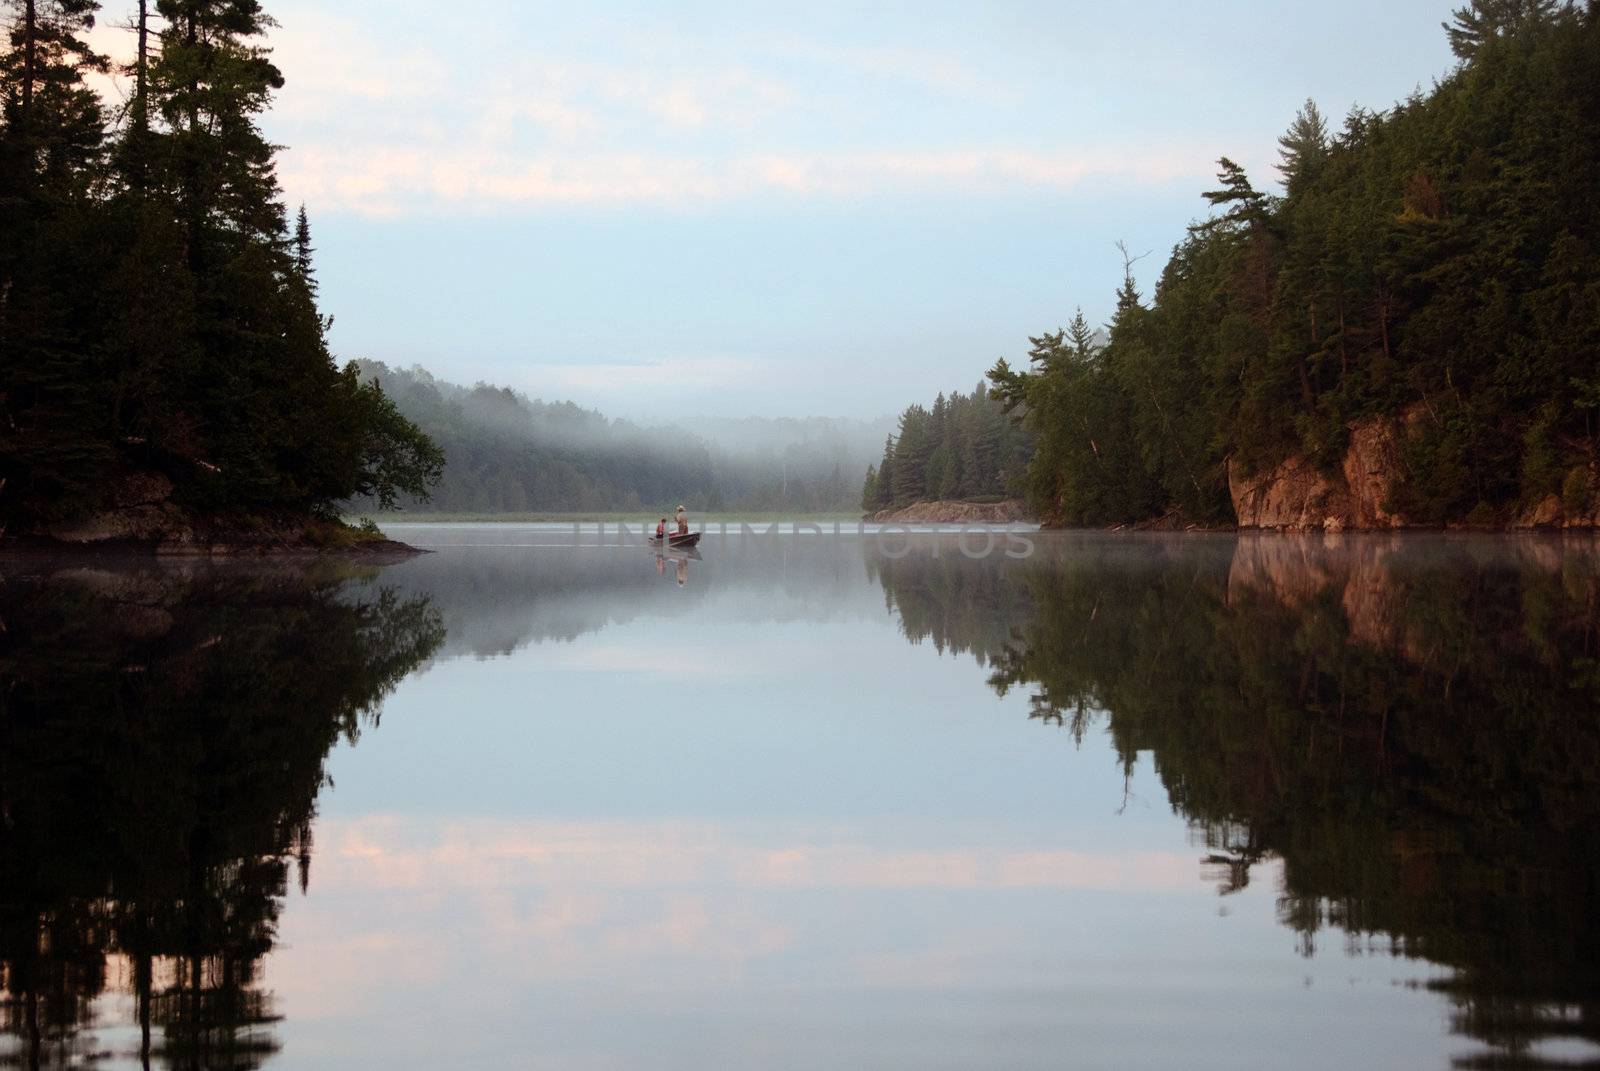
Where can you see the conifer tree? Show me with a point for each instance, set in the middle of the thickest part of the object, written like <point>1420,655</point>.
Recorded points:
<point>1481,21</point>
<point>1303,148</point>
<point>303,250</point>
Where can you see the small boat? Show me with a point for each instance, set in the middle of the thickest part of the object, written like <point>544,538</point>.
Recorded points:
<point>688,539</point>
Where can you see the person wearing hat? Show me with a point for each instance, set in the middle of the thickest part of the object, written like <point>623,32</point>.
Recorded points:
<point>683,521</point>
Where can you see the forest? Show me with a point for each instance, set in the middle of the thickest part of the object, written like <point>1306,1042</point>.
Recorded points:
<point>160,337</point>
<point>1435,265</point>
<point>508,453</point>
<point>964,447</point>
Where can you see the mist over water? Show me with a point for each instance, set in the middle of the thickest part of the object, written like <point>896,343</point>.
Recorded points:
<point>793,800</point>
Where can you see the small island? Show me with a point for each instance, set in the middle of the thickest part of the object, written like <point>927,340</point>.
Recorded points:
<point>167,382</point>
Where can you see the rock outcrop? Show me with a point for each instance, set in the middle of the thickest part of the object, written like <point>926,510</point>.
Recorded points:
<point>1297,496</point>
<point>1008,512</point>
<point>143,516</point>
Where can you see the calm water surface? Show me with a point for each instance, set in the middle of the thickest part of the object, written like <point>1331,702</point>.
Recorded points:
<point>806,801</point>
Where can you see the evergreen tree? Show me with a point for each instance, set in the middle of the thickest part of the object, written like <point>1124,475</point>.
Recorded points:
<point>51,143</point>
<point>886,467</point>
<point>964,447</point>
<point>1481,21</point>
<point>303,250</point>
<point>1303,148</point>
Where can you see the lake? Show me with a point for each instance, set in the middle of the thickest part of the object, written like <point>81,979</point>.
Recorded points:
<point>806,799</point>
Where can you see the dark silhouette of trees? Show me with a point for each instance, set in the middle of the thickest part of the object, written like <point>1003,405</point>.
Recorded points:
<point>163,736</point>
<point>156,314</point>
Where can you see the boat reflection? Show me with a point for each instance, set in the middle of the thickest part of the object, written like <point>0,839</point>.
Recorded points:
<point>679,562</point>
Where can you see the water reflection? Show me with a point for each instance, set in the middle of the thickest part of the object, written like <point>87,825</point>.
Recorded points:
<point>1412,726</point>
<point>748,792</point>
<point>163,733</point>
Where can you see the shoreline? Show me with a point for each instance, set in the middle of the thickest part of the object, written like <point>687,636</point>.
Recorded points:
<point>371,549</point>
<point>173,533</point>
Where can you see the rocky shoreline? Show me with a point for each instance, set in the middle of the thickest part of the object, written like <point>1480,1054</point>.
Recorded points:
<point>144,519</point>
<point>1297,496</point>
<point>1011,511</point>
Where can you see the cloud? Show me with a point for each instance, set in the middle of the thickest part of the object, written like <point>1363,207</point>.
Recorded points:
<point>653,118</point>
<point>475,180</point>
<point>392,853</point>
<point>383,126</point>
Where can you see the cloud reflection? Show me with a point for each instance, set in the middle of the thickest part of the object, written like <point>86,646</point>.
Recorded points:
<point>383,853</point>
<point>409,904</point>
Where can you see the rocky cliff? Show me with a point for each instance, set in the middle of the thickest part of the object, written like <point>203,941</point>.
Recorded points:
<point>1297,496</point>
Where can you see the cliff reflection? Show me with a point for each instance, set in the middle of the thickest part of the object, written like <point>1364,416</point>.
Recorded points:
<point>1413,727</point>
<point>163,733</point>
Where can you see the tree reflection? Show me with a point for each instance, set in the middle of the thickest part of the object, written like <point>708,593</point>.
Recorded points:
<point>163,734</point>
<point>1413,727</point>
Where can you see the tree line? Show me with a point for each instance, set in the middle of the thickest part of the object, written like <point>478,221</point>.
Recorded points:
<point>508,453</point>
<point>158,310</point>
<point>1438,263</point>
<point>964,447</point>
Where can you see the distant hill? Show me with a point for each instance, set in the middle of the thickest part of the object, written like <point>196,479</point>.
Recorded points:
<point>507,452</point>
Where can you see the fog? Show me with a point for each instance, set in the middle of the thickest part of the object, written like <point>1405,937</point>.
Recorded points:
<point>507,451</point>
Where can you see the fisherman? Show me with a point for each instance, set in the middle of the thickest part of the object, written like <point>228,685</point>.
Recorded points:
<point>661,529</point>
<point>683,521</point>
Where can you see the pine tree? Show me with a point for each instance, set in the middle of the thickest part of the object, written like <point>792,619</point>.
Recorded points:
<point>1244,204</point>
<point>212,79</point>
<point>1303,148</point>
<point>53,128</point>
<point>1481,21</point>
<point>51,142</point>
<point>1081,337</point>
<point>303,250</point>
<point>885,485</point>
<point>869,489</point>
<point>908,479</point>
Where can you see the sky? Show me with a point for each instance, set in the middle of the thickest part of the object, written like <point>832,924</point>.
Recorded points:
<point>723,209</point>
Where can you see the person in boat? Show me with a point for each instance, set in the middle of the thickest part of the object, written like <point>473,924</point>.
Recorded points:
<point>683,521</point>
<point>661,529</point>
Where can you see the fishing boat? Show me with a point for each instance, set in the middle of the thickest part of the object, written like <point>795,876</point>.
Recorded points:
<point>688,539</point>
